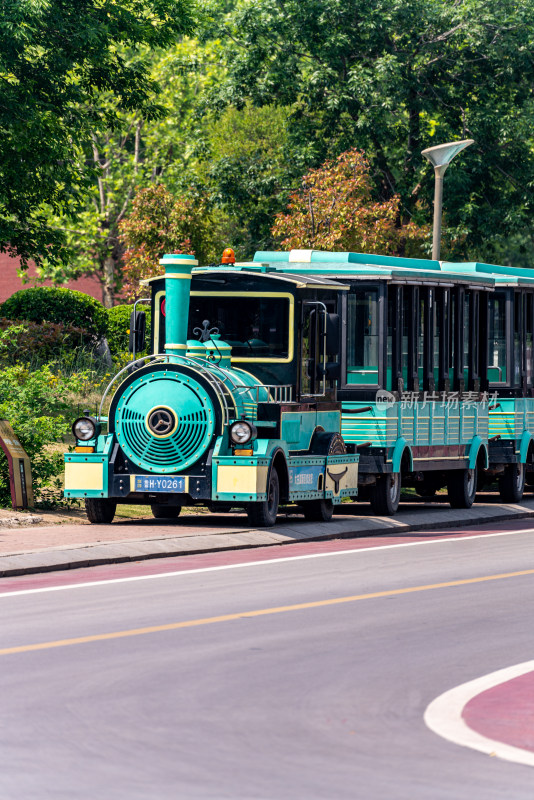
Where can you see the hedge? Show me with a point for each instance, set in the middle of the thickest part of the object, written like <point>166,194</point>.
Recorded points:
<point>59,305</point>
<point>119,326</point>
<point>34,342</point>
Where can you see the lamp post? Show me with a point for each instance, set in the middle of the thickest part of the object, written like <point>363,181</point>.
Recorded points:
<point>440,157</point>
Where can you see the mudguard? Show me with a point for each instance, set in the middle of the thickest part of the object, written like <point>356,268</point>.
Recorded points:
<point>398,451</point>
<point>526,440</point>
<point>477,444</point>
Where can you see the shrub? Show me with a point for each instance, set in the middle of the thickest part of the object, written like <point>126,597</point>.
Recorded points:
<point>35,405</point>
<point>119,326</point>
<point>59,305</point>
<point>35,343</point>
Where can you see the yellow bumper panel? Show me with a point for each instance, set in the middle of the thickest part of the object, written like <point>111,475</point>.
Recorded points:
<point>84,477</point>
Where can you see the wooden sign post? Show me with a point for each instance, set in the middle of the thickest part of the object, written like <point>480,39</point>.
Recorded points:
<point>20,471</point>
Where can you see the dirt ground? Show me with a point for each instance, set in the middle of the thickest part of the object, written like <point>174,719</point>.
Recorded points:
<point>9,518</point>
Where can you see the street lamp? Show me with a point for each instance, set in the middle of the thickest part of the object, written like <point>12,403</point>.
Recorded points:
<point>440,157</point>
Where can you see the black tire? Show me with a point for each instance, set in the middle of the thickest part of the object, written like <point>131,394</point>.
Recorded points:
<point>529,480</point>
<point>263,514</point>
<point>385,494</point>
<point>462,487</point>
<point>327,444</point>
<point>318,510</point>
<point>165,512</point>
<point>512,483</point>
<point>100,510</point>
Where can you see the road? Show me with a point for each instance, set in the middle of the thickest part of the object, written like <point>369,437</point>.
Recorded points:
<point>305,675</point>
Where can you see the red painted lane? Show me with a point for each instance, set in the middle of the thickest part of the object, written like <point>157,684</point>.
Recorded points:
<point>505,713</point>
<point>185,563</point>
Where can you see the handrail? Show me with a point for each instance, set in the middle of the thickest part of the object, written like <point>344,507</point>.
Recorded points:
<point>139,300</point>
<point>216,383</point>
<point>160,356</point>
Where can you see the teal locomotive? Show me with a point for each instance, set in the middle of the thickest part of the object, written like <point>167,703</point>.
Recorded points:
<point>235,406</point>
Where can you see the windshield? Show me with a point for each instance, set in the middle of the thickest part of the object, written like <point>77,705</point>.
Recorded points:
<point>256,326</point>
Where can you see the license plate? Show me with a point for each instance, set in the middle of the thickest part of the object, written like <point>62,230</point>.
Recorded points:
<point>159,483</point>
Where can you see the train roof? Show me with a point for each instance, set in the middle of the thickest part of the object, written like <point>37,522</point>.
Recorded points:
<point>345,264</point>
<point>513,276</point>
<point>361,266</point>
<point>337,270</point>
<point>300,281</point>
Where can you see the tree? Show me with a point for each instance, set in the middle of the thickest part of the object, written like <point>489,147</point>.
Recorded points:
<point>392,77</point>
<point>57,57</point>
<point>134,154</point>
<point>334,210</point>
<point>159,223</point>
<point>248,174</point>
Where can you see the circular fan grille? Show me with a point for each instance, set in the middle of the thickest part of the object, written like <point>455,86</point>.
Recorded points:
<point>187,400</point>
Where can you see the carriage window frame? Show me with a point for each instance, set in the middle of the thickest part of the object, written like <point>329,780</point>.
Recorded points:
<point>516,341</point>
<point>240,359</point>
<point>506,331</point>
<point>529,331</point>
<point>380,288</point>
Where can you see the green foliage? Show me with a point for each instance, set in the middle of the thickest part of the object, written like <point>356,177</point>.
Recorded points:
<point>119,327</point>
<point>249,174</point>
<point>57,58</point>
<point>129,156</point>
<point>392,78</point>
<point>34,343</point>
<point>64,306</point>
<point>34,404</point>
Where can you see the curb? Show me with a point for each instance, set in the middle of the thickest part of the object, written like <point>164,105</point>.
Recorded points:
<point>40,561</point>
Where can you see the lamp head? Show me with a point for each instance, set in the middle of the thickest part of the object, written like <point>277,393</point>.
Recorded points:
<point>442,154</point>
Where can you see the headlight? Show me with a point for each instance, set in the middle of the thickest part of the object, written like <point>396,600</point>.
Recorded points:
<point>242,432</point>
<point>84,429</point>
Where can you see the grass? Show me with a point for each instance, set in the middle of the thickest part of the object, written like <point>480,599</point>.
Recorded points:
<point>126,511</point>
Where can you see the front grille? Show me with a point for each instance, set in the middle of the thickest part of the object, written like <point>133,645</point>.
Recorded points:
<point>188,402</point>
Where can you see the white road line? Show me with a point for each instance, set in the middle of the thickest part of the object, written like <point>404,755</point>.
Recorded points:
<point>444,715</point>
<point>266,562</point>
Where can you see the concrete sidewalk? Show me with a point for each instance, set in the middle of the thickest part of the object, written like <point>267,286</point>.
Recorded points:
<point>25,550</point>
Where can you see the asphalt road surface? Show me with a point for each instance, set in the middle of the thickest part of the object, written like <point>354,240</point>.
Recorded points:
<point>210,683</point>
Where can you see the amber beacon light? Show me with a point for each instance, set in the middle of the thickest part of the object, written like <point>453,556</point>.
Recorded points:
<point>228,256</point>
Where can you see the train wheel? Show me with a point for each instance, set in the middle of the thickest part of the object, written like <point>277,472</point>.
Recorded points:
<point>263,515</point>
<point>512,483</point>
<point>385,494</point>
<point>318,510</point>
<point>100,510</point>
<point>462,487</point>
<point>165,512</point>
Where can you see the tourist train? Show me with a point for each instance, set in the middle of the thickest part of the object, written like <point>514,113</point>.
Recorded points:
<point>302,378</point>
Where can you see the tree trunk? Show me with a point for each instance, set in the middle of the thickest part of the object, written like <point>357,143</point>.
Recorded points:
<point>108,285</point>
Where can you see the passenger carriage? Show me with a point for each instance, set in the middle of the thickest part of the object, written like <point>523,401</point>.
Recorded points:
<point>413,372</point>
<point>511,376</point>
